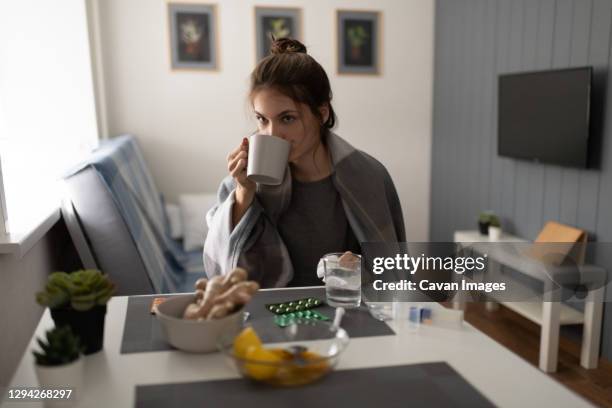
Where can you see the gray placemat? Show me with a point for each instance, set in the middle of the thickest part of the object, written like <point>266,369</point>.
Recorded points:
<point>419,385</point>
<point>142,331</point>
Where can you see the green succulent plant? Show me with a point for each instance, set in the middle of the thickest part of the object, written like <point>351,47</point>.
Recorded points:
<point>81,290</point>
<point>61,347</point>
<point>484,217</point>
<point>487,217</point>
<point>494,221</point>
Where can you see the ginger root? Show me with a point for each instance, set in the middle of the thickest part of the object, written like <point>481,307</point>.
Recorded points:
<point>192,311</point>
<point>219,296</point>
<point>201,284</point>
<point>221,310</point>
<point>213,289</point>
<point>235,276</point>
<point>239,294</point>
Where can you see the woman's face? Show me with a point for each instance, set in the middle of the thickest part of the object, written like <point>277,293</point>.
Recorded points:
<point>279,115</point>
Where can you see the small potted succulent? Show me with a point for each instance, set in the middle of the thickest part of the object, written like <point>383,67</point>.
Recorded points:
<point>484,220</point>
<point>78,299</point>
<point>59,363</point>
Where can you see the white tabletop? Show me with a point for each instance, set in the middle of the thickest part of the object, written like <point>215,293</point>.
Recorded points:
<point>476,236</point>
<point>501,376</point>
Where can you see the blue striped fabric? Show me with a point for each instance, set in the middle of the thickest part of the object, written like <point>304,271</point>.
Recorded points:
<point>121,166</point>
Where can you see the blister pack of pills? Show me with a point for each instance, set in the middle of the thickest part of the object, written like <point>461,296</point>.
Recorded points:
<point>294,305</point>
<point>303,317</point>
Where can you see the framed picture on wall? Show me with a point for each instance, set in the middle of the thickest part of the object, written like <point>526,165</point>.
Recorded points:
<point>358,42</point>
<point>193,36</point>
<point>278,23</point>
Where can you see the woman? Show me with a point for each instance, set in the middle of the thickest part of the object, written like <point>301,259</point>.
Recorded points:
<point>331,198</point>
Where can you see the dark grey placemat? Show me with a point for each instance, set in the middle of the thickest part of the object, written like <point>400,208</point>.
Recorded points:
<point>419,385</point>
<point>142,331</point>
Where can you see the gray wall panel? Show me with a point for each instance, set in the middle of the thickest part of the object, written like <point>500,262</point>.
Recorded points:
<point>437,146</point>
<point>460,201</point>
<point>503,35</point>
<point>475,109</point>
<point>489,86</point>
<point>475,41</point>
<point>527,63</point>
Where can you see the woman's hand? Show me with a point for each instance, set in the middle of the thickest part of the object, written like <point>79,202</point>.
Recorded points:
<point>237,166</point>
<point>347,259</point>
<point>245,188</point>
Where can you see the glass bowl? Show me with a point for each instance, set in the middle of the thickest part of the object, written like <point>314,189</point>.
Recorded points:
<point>304,353</point>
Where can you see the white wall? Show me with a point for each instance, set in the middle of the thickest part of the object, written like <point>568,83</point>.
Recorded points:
<point>20,279</point>
<point>187,122</point>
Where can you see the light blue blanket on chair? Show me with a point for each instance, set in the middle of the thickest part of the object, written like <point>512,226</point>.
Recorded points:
<point>120,164</point>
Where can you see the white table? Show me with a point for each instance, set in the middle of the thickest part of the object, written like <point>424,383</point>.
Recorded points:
<point>550,315</point>
<point>501,376</point>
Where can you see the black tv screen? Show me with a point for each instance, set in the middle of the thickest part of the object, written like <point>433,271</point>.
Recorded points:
<point>544,116</point>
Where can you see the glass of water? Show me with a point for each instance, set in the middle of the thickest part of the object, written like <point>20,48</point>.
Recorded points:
<point>343,279</point>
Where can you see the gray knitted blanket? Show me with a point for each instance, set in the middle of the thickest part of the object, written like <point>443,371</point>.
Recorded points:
<point>368,196</point>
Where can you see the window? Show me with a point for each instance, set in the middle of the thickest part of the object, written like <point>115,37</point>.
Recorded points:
<point>47,105</point>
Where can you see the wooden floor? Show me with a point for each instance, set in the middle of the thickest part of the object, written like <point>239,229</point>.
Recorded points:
<point>523,338</point>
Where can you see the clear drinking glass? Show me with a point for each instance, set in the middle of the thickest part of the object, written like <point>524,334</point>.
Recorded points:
<point>343,279</point>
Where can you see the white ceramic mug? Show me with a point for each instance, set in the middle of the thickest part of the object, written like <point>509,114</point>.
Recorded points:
<point>268,156</point>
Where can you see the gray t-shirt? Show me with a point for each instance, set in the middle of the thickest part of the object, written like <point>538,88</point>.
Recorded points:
<point>314,224</point>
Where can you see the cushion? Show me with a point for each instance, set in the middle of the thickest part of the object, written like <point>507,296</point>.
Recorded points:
<point>175,224</point>
<point>193,209</point>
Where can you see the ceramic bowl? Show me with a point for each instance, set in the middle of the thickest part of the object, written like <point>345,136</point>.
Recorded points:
<point>192,335</point>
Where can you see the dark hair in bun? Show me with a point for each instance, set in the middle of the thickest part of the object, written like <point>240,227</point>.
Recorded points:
<point>286,46</point>
<point>294,73</point>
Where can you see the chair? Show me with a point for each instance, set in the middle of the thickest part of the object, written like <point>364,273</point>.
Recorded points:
<point>116,218</point>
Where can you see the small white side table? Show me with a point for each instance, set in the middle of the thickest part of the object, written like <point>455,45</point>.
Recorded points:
<point>550,315</point>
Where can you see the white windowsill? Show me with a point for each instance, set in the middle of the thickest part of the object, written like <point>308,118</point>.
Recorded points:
<point>19,243</point>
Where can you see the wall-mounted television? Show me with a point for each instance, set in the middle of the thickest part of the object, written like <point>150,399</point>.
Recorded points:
<point>544,116</point>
